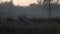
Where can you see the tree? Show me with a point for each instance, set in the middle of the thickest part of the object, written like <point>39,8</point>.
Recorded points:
<point>49,4</point>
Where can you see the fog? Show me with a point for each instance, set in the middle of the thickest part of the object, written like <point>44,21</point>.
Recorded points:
<point>33,10</point>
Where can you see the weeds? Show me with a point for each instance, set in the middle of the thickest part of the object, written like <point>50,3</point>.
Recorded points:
<point>40,26</point>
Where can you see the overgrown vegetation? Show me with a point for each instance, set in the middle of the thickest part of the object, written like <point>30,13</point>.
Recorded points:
<point>42,26</point>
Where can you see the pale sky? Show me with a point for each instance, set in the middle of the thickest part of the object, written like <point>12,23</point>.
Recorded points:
<point>22,2</point>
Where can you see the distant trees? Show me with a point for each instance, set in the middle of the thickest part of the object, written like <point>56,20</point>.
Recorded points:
<point>9,9</point>
<point>46,2</point>
<point>49,4</point>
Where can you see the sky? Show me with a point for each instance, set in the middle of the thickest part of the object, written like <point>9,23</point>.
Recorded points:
<point>22,2</point>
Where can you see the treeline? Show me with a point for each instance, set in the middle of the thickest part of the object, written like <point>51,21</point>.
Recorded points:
<point>33,20</point>
<point>51,20</point>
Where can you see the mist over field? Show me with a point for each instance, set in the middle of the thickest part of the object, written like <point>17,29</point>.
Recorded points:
<point>33,10</point>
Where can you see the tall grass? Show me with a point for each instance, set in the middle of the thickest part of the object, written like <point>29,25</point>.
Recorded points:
<point>42,26</point>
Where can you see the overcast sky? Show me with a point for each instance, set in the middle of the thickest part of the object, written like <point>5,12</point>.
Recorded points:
<point>22,2</point>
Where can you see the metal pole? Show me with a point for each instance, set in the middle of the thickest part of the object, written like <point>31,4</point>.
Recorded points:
<point>49,9</point>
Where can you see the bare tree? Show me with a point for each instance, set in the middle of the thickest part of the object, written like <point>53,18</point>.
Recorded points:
<point>48,4</point>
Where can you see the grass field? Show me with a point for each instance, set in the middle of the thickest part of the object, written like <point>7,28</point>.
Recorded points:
<point>28,28</point>
<point>12,26</point>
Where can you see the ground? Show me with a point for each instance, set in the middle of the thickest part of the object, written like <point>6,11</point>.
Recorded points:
<point>37,28</point>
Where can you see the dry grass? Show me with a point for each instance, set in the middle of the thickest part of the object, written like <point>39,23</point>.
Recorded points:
<point>28,27</point>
